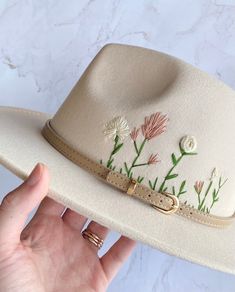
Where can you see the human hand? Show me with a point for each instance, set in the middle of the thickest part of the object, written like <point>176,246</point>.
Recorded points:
<point>50,253</point>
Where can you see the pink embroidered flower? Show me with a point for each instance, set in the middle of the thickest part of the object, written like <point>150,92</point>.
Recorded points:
<point>134,134</point>
<point>153,159</point>
<point>154,125</point>
<point>198,186</point>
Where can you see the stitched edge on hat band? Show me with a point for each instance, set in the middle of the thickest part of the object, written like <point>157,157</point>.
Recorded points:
<point>122,182</point>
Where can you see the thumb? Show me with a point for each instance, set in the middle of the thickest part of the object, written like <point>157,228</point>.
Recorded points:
<point>17,204</point>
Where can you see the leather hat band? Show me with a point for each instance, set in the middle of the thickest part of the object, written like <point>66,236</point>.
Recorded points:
<point>163,202</point>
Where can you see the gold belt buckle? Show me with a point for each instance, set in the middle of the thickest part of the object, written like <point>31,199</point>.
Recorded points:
<point>132,186</point>
<point>174,207</point>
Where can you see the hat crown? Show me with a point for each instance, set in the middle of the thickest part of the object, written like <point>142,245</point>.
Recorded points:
<point>158,119</point>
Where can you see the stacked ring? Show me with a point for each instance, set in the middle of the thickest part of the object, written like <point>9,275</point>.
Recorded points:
<point>92,237</point>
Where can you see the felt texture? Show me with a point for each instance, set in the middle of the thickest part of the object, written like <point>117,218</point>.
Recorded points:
<point>22,147</point>
<point>135,82</point>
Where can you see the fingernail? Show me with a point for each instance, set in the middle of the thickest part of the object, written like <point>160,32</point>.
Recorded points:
<point>35,175</point>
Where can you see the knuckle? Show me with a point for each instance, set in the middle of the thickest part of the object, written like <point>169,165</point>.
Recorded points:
<point>10,200</point>
<point>115,256</point>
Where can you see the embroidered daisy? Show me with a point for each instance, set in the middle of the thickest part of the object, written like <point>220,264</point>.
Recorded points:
<point>117,127</point>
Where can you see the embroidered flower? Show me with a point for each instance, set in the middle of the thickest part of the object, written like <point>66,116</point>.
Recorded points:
<point>118,126</point>
<point>134,133</point>
<point>198,186</point>
<point>154,125</point>
<point>188,144</point>
<point>153,159</point>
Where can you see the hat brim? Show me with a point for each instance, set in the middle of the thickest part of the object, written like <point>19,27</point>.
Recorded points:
<point>22,146</point>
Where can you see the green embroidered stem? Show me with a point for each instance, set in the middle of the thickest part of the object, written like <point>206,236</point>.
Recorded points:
<point>138,152</point>
<point>200,206</point>
<point>181,189</point>
<point>215,193</point>
<point>175,162</point>
<point>199,198</point>
<point>141,164</point>
<point>169,174</point>
<point>117,146</point>
<point>136,148</point>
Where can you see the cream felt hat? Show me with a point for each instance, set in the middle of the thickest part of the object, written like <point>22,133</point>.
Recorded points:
<point>144,145</point>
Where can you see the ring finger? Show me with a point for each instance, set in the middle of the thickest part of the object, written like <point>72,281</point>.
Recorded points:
<point>98,229</point>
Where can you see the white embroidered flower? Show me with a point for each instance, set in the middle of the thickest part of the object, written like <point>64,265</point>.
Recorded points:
<point>188,144</point>
<point>117,127</point>
<point>214,173</point>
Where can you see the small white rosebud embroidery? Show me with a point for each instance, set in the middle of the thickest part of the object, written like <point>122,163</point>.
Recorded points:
<point>188,144</point>
<point>214,173</point>
<point>118,126</point>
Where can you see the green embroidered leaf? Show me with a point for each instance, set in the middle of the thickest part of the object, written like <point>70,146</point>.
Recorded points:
<point>117,148</point>
<point>150,184</point>
<point>101,162</point>
<point>155,183</point>
<point>165,189</point>
<point>113,167</point>
<point>193,153</point>
<point>171,176</point>
<point>120,170</point>
<point>174,159</point>
<point>214,194</point>
<point>173,191</point>
<point>110,162</point>
<point>183,192</point>
<point>140,179</point>
<point>126,168</point>
<point>182,187</point>
<point>203,208</point>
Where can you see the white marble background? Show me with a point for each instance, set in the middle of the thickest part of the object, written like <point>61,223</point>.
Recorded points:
<point>46,45</point>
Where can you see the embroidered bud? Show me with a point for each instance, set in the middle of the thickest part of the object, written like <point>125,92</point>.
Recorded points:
<point>134,134</point>
<point>188,144</point>
<point>198,186</point>
<point>214,173</point>
<point>153,159</point>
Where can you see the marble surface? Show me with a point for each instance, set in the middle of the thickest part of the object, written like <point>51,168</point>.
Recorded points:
<point>46,45</point>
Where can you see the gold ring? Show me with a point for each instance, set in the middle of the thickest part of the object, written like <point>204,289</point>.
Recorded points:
<point>92,237</point>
